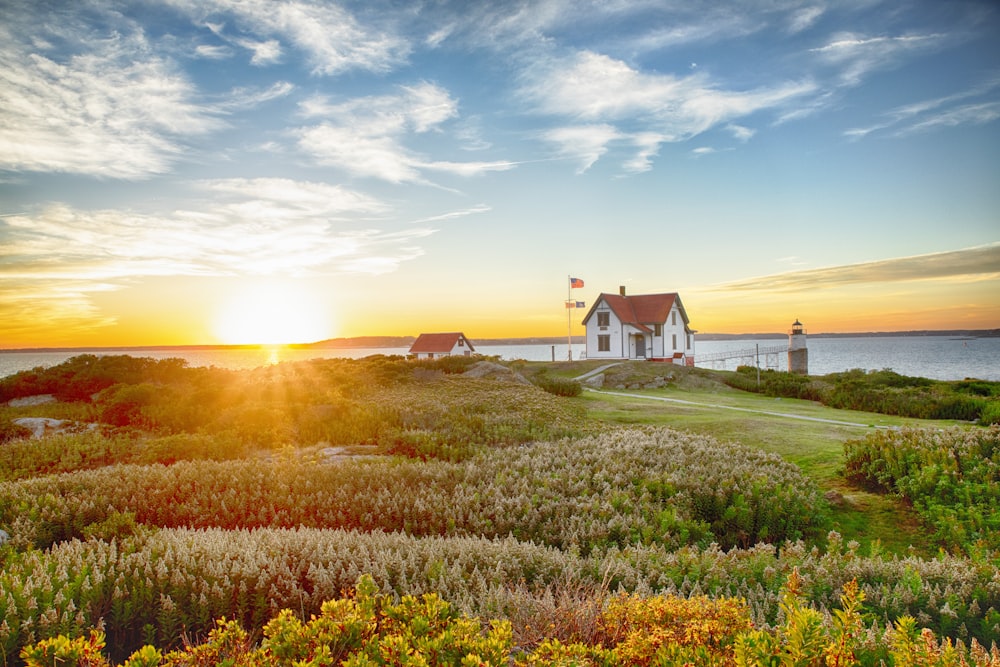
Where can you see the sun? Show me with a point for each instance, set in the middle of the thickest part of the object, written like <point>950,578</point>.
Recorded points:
<point>273,314</point>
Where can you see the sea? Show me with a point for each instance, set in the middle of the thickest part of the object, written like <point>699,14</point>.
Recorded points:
<point>935,357</point>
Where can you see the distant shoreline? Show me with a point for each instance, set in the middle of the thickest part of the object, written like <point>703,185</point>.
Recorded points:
<point>406,341</point>
<point>961,333</point>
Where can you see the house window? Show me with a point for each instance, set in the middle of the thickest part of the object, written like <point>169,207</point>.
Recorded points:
<point>689,342</point>
<point>673,318</point>
<point>461,342</point>
<point>657,329</point>
<point>603,319</point>
<point>675,341</point>
<point>603,342</point>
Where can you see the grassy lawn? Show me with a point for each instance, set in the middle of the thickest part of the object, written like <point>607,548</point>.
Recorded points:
<point>756,421</point>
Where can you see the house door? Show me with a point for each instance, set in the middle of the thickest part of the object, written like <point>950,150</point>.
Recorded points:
<point>640,347</point>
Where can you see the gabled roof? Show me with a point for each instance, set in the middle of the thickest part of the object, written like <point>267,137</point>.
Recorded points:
<point>641,309</point>
<point>438,342</point>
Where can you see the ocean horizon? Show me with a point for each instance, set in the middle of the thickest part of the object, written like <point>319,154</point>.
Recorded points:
<point>375,341</point>
<point>952,356</point>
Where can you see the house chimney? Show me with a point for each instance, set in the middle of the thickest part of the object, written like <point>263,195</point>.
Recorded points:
<point>621,290</point>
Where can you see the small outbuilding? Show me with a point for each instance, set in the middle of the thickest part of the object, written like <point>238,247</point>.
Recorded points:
<point>434,345</point>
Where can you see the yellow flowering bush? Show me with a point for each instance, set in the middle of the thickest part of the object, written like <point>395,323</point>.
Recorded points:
<point>368,628</point>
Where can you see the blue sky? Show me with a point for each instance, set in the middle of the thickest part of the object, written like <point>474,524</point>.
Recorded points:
<point>184,171</point>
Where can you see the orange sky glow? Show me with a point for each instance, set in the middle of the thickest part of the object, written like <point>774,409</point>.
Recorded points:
<point>261,311</point>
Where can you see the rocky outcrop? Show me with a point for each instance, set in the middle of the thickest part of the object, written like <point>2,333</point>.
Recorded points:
<point>489,369</point>
<point>43,426</point>
<point>37,399</point>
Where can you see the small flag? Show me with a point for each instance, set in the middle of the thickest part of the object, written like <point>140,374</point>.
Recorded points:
<point>575,282</point>
<point>570,304</point>
<point>575,304</point>
<point>580,304</point>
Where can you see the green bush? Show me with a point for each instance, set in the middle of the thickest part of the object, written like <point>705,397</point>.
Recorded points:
<point>80,377</point>
<point>990,414</point>
<point>372,627</point>
<point>775,383</point>
<point>652,486</point>
<point>128,405</point>
<point>557,386</point>
<point>451,364</point>
<point>950,477</point>
<point>11,431</point>
<point>883,391</point>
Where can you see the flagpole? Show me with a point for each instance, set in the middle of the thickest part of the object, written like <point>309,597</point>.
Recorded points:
<point>569,320</point>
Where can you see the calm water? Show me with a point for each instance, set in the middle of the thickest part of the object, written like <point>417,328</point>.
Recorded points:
<point>937,357</point>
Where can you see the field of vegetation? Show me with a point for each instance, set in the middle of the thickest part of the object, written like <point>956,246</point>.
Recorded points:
<point>388,511</point>
<point>881,391</point>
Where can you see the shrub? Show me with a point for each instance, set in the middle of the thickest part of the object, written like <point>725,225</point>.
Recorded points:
<point>950,477</point>
<point>80,377</point>
<point>990,414</point>
<point>368,628</point>
<point>883,391</point>
<point>168,582</point>
<point>127,405</point>
<point>653,486</point>
<point>557,386</point>
<point>11,431</point>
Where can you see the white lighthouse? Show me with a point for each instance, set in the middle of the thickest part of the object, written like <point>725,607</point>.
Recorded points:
<point>798,355</point>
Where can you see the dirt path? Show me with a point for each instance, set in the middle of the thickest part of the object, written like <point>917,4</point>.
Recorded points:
<point>730,407</point>
<point>601,369</point>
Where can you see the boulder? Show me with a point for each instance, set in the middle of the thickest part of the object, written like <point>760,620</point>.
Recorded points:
<point>43,426</point>
<point>37,399</point>
<point>489,369</point>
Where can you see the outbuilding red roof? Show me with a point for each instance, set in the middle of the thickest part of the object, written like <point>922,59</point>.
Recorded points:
<point>438,342</point>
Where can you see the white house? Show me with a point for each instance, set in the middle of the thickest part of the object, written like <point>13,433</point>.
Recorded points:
<point>644,326</point>
<point>433,345</point>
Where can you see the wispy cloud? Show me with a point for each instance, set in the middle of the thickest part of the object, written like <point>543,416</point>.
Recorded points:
<point>453,215</point>
<point>969,114</point>
<point>57,258</point>
<point>740,132</point>
<point>297,199</point>
<point>595,87</point>
<point>585,144</point>
<point>112,111</point>
<point>366,136</point>
<point>213,51</point>
<point>65,306</point>
<point>331,37</point>
<point>967,264</point>
<point>527,24</point>
<point>975,106</point>
<point>711,26</point>
<point>805,18</point>
<point>248,98</point>
<point>856,54</point>
<point>648,145</point>
<point>267,52</point>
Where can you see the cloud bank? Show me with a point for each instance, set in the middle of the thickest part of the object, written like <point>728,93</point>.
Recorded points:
<point>968,264</point>
<point>53,261</point>
<point>114,111</point>
<point>644,110</point>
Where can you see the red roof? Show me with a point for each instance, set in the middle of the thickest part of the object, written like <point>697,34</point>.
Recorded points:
<point>641,309</point>
<point>438,343</point>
